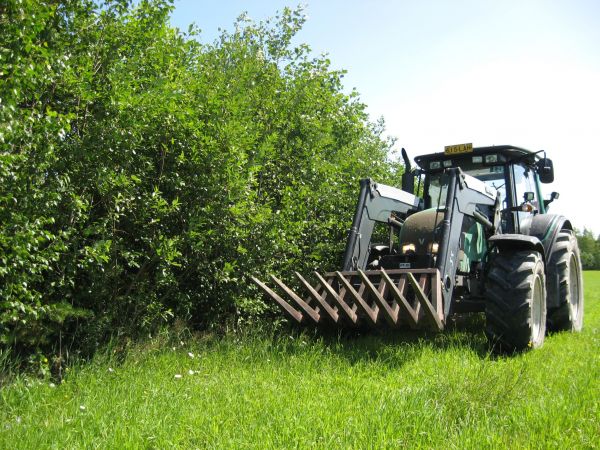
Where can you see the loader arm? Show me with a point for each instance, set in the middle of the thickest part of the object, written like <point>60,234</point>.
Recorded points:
<point>376,203</point>
<point>464,195</point>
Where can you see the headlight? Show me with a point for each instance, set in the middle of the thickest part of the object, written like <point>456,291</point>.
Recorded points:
<point>408,248</point>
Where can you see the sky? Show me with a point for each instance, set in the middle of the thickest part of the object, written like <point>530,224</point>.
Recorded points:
<point>519,72</point>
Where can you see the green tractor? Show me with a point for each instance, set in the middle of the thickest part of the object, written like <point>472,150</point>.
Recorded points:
<point>477,239</point>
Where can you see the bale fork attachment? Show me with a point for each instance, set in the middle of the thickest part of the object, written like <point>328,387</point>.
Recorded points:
<point>394,298</point>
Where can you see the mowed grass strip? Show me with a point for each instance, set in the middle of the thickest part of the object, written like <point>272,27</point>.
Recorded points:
<point>409,390</point>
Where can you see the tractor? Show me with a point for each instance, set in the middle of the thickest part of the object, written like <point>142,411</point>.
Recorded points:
<point>468,232</point>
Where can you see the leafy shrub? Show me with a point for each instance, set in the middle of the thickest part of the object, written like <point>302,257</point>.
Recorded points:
<point>590,249</point>
<point>144,175</point>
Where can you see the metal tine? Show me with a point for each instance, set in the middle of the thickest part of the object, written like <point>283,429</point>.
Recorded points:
<point>288,309</point>
<point>372,314</point>
<point>343,306</point>
<point>417,306</point>
<point>383,289</point>
<point>436,296</point>
<point>312,313</point>
<point>400,300</point>
<point>333,314</point>
<point>425,303</point>
<point>391,315</point>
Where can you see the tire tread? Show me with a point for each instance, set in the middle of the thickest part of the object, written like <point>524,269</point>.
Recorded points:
<point>560,317</point>
<point>509,297</point>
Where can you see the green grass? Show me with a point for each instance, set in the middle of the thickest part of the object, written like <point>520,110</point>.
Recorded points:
<point>440,391</point>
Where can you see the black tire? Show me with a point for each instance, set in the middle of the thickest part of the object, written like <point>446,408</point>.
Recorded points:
<point>515,301</point>
<point>565,284</point>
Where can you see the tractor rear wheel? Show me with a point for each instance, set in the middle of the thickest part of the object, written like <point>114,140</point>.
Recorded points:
<point>516,301</point>
<point>565,284</point>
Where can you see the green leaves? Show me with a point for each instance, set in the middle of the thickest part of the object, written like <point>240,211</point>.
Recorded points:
<point>144,175</point>
<point>589,248</point>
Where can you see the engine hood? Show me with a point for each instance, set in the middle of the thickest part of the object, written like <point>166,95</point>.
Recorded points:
<point>420,228</point>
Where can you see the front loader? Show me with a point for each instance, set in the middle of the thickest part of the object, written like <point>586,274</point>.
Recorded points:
<point>478,239</point>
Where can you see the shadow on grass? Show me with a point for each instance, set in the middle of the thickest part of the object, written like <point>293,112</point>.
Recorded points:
<point>390,347</point>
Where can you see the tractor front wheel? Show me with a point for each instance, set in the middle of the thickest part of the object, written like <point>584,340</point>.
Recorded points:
<point>516,301</point>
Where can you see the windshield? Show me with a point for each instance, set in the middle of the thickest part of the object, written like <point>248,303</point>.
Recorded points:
<point>492,176</point>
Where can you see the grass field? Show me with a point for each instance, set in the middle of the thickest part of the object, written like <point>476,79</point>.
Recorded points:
<point>436,391</point>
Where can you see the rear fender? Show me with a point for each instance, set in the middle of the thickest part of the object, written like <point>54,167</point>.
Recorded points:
<point>545,227</point>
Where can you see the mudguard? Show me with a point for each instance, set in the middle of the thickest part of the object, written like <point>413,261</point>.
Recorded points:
<point>517,242</point>
<point>545,227</point>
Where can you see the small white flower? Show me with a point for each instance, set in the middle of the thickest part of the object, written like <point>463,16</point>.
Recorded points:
<point>18,419</point>
<point>52,385</point>
<point>178,376</point>
<point>111,370</point>
<point>190,354</point>
<point>191,372</point>
<point>82,407</point>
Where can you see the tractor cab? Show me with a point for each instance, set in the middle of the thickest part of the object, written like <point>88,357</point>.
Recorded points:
<point>513,173</point>
<point>510,175</point>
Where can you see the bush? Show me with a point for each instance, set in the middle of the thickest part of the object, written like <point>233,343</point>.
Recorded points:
<point>144,175</point>
<point>590,249</point>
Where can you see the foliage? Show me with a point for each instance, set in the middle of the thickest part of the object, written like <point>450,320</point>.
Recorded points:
<point>590,249</point>
<point>144,175</point>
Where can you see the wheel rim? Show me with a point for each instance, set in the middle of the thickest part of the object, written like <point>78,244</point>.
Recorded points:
<point>574,292</point>
<point>536,309</point>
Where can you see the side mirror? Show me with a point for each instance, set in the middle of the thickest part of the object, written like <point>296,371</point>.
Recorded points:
<point>545,170</point>
<point>408,177</point>
<point>408,182</point>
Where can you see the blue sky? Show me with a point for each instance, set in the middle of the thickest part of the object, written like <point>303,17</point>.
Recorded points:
<point>523,72</point>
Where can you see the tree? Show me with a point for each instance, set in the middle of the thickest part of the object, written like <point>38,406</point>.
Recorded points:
<point>145,174</point>
<point>590,249</point>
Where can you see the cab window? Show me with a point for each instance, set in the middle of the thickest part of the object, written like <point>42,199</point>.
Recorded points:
<point>525,191</point>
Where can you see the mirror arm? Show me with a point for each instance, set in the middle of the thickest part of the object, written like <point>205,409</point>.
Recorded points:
<point>553,196</point>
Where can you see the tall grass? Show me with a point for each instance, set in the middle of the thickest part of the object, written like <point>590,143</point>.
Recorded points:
<point>309,391</point>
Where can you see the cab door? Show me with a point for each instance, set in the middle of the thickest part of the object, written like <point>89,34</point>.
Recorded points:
<point>526,200</point>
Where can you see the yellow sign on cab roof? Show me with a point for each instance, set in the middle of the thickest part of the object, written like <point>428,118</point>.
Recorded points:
<point>460,148</point>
